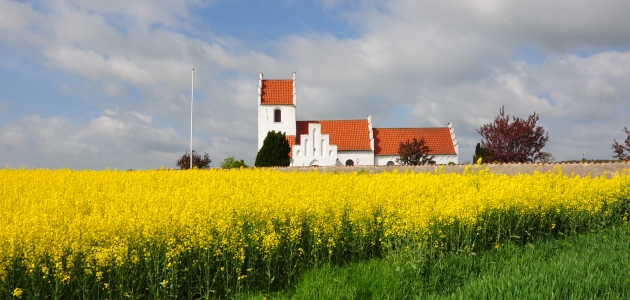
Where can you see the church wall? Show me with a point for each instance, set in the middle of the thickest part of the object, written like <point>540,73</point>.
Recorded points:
<point>360,158</point>
<point>266,123</point>
<point>445,159</point>
<point>305,161</point>
<point>315,148</point>
<point>381,160</point>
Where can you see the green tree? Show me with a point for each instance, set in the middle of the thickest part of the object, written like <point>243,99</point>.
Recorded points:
<point>274,151</point>
<point>227,162</point>
<point>239,164</point>
<point>480,152</point>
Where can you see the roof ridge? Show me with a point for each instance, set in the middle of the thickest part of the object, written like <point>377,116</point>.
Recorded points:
<point>409,127</point>
<point>331,120</point>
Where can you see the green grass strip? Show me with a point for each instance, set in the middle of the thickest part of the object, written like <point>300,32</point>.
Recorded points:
<point>593,265</point>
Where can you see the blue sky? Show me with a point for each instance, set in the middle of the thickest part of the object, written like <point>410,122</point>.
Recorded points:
<point>92,84</point>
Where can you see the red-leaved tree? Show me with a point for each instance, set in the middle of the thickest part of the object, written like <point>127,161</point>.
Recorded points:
<point>517,141</point>
<point>620,150</point>
<point>201,162</point>
<point>414,153</point>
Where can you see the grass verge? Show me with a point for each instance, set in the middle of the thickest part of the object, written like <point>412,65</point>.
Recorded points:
<point>584,266</point>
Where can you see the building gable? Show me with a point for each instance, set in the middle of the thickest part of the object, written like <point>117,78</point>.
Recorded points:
<point>346,134</point>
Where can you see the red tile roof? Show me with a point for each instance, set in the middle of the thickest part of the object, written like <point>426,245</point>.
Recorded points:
<point>346,134</point>
<point>291,139</point>
<point>387,140</point>
<point>277,91</point>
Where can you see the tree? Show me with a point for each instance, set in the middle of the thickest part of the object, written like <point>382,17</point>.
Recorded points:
<point>620,150</point>
<point>546,157</point>
<point>229,162</point>
<point>414,153</point>
<point>239,164</point>
<point>480,152</point>
<point>198,161</point>
<point>274,151</point>
<point>517,141</point>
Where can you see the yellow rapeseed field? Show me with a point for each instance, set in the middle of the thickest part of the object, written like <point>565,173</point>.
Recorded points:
<point>66,226</point>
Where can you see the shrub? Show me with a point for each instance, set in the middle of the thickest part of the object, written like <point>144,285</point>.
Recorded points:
<point>275,151</point>
<point>198,161</point>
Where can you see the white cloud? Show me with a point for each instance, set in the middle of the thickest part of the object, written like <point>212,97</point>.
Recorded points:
<point>555,25</point>
<point>114,139</point>
<point>423,62</point>
<point>5,105</point>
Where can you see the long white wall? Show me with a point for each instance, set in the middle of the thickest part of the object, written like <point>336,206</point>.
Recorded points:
<point>381,160</point>
<point>360,158</point>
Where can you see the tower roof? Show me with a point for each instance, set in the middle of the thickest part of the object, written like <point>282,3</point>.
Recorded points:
<point>276,91</point>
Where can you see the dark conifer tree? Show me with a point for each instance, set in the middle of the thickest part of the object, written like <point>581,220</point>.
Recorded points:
<point>274,151</point>
<point>480,152</point>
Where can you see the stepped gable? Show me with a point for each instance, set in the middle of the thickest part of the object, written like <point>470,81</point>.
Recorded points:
<point>387,140</point>
<point>276,91</point>
<point>346,134</point>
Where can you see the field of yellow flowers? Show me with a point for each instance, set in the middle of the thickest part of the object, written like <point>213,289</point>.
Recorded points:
<point>193,234</point>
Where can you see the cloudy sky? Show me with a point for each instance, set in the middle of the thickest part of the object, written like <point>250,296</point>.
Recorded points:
<point>96,84</point>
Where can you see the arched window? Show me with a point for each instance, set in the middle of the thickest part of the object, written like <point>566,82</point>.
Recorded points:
<point>321,148</point>
<point>314,142</point>
<point>277,116</point>
<point>349,162</point>
<point>390,163</point>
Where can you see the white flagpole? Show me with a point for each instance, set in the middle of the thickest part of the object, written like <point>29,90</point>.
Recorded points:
<point>192,100</point>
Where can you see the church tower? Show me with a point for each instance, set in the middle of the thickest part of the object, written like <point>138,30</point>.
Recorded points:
<point>276,107</point>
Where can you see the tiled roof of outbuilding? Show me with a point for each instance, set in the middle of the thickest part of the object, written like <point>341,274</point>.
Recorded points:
<point>346,134</point>
<point>387,140</point>
<point>276,91</point>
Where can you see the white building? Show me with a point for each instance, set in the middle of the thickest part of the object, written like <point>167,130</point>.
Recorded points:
<point>340,142</point>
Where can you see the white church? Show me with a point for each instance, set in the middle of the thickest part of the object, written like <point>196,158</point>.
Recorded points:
<point>340,142</point>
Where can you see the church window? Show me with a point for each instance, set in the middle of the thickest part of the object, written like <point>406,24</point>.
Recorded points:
<point>349,162</point>
<point>390,163</point>
<point>277,116</point>
<point>321,148</point>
